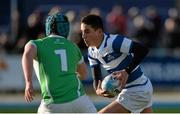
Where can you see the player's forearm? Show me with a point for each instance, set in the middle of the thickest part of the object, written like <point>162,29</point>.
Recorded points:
<point>96,74</point>
<point>95,84</point>
<point>27,61</point>
<point>139,52</point>
<point>27,64</point>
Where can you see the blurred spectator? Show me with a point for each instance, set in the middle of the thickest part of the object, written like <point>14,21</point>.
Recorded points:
<point>15,25</point>
<point>35,26</point>
<point>17,30</point>
<point>82,13</point>
<point>3,41</point>
<point>145,26</point>
<point>54,10</point>
<point>95,11</point>
<point>3,50</point>
<point>33,30</point>
<point>131,29</point>
<point>6,44</point>
<point>3,64</point>
<point>116,21</point>
<point>154,18</point>
<point>9,38</point>
<point>75,35</point>
<point>72,19</point>
<point>71,15</point>
<point>172,29</point>
<point>143,30</point>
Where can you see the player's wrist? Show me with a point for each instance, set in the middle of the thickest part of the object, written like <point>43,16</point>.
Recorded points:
<point>28,82</point>
<point>127,70</point>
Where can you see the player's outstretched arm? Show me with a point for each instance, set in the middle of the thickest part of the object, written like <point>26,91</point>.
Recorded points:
<point>27,65</point>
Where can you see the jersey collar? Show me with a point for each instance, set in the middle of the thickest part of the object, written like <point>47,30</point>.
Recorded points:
<point>52,35</point>
<point>104,42</point>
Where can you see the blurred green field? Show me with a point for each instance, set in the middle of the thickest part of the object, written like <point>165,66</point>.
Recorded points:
<point>163,102</point>
<point>32,108</point>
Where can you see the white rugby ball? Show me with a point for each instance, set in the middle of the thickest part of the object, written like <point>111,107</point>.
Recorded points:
<point>111,85</point>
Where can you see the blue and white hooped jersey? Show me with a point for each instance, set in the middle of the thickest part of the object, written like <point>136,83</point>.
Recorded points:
<point>114,53</point>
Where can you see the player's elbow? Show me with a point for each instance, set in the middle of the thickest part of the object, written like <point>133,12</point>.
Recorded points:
<point>83,76</point>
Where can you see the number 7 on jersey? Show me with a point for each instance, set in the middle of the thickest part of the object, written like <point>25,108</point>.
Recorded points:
<point>63,57</point>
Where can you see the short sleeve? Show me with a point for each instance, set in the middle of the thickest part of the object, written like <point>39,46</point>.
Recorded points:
<point>122,44</point>
<point>32,42</point>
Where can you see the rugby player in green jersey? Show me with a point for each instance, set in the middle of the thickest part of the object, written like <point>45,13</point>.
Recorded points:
<point>59,66</point>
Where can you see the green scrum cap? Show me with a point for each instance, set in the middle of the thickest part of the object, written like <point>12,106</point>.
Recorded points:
<point>57,23</point>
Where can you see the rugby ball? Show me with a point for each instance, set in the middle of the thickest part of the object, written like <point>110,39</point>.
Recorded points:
<point>111,85</point>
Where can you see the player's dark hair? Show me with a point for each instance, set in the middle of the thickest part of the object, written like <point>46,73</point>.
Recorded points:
<point>94,21</point>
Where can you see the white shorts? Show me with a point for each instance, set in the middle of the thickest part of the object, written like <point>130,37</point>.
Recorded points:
<point>137,96</point>
<point>81,105</point>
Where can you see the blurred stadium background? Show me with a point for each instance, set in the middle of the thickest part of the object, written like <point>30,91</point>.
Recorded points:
<point>153,22</point>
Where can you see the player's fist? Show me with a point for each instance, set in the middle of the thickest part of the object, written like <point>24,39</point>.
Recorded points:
<point>29,93</point>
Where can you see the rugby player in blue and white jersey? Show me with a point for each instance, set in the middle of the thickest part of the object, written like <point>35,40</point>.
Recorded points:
<point>120,56</point>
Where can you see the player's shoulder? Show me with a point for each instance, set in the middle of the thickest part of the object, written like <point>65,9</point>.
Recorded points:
<point>110,38</point>
<point>69,42</point>
<point>117,36</point>
<point>30,45</point>
<point>117,39</point>
<point>71,45</point>
<point>39,40</point>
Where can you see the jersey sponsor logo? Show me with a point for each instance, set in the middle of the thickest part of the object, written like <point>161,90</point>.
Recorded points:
<point>110,57</point>
<point>57,41</point>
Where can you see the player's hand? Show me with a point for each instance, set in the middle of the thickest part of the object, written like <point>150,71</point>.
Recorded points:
<point>101,92</point>
<point>122,76</point>
<point>29,93</point>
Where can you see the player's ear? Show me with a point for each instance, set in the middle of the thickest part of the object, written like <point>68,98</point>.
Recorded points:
<point>99,30</point>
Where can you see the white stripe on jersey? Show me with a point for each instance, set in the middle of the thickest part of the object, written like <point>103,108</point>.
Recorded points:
<point>32,43</point>
<point>106,49</point>
<point>92,62</point>
<point>79,86</point>
<point>125,47</point>
<point>36,69</point>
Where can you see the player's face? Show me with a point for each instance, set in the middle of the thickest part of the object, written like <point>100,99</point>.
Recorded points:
<point>89,35</point>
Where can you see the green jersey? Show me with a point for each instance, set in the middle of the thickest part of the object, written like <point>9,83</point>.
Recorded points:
<point>55,67</point>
